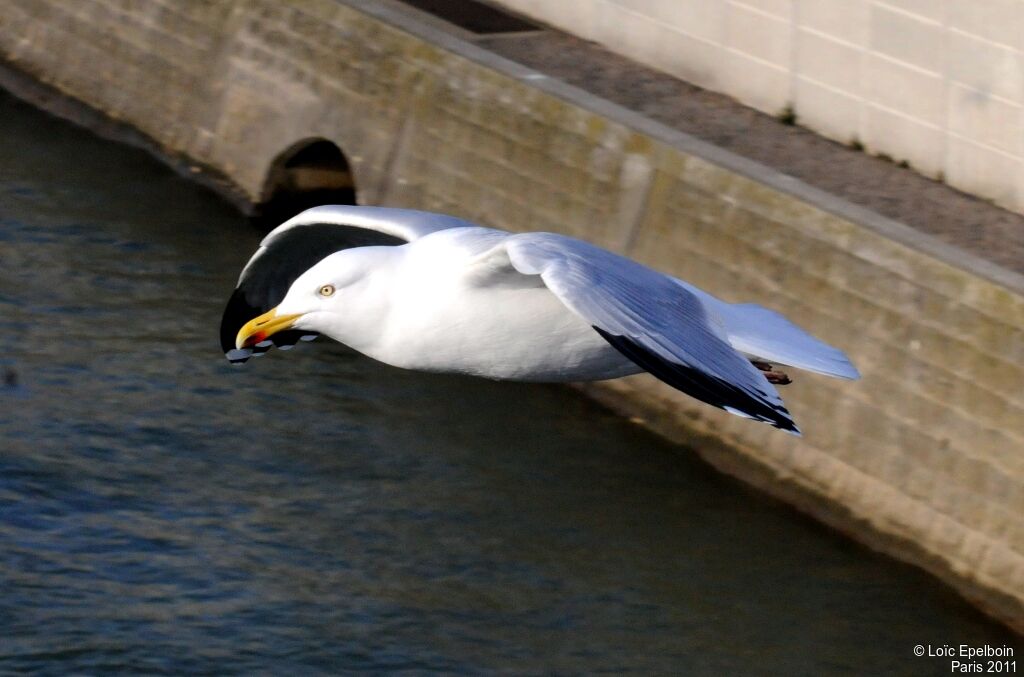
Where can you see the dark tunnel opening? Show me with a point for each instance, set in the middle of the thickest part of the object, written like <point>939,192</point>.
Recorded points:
<point>309,173</point>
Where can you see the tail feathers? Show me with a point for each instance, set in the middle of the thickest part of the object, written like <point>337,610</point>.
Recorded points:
<point>767,335</point>
<point>760,332</point>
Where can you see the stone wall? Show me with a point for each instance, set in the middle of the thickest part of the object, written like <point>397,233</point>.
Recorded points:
<point>923,458</point>
<point>937,84</point>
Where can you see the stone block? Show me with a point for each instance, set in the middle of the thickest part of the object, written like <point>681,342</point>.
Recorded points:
<point>755,82</point>
<point>984,119</point>
<point>1000,21</point>
<point>690,58</point>
<point>835,114</point>
<point>845,20</point>
<point>910,39</point>
<point>985,66</point>
<point>985,170</point>
<point>761,36</point>
<point>903,89</point>
<point>921,9</point>
<point>904,139</point>
<point>830,62</point>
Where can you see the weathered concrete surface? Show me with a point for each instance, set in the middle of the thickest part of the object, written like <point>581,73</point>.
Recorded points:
<point>876,183</point>
<point>934,83</point>
<point>924,457</point>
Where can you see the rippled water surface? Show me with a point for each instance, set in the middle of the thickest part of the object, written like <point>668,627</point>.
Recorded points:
<point>313,511</point>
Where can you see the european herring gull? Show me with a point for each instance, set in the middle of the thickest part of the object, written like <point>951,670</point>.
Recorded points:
<point>431,292</point>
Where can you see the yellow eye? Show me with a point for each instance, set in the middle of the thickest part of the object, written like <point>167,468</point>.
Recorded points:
<point>326,290</point>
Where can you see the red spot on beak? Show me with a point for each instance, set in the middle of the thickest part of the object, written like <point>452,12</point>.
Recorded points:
<point>258,337</point>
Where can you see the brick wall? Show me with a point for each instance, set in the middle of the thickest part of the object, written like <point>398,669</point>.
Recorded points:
<point>936,83</point>
<point>922,458</point>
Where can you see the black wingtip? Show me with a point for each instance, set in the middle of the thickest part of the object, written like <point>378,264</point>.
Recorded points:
<point>237,312</point>
<point>703,386</point>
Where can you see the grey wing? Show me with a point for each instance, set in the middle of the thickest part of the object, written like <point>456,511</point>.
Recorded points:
<point>767,335</point>
<point>297,244</point>
<point>652,320</point>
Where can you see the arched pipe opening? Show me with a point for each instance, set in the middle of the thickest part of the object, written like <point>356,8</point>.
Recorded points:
<point>308,173</point>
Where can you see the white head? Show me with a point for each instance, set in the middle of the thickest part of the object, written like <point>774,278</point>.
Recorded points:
<point>344,296</point>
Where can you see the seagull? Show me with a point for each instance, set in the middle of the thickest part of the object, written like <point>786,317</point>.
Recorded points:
<point>431,292</point>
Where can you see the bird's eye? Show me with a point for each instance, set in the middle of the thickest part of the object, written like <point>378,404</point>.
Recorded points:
<point>326,290</point>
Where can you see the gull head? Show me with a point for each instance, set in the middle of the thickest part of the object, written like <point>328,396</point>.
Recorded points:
<point>336,297</point>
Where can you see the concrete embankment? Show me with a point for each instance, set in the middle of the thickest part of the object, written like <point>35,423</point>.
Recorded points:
<point>923,458</point>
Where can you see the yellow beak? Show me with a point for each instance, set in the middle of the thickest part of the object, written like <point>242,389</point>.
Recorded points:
<point>261,328</point>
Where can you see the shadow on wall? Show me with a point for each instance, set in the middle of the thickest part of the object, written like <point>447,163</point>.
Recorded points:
<point>308,173</point>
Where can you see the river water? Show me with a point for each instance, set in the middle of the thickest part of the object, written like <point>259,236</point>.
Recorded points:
<point>163,512</point>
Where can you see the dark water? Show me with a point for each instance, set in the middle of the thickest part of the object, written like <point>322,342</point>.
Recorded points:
<point>314,512</point>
